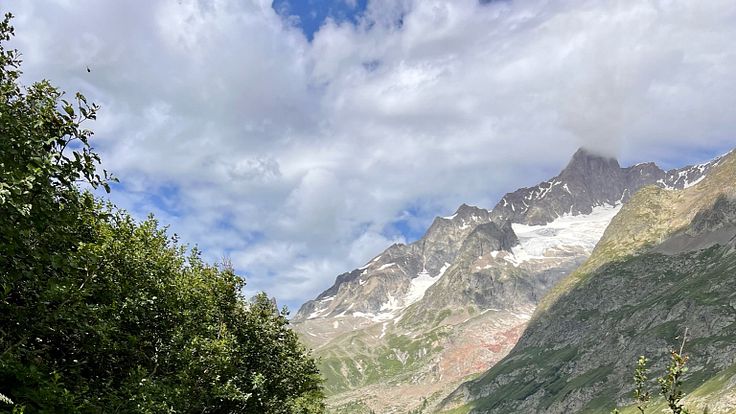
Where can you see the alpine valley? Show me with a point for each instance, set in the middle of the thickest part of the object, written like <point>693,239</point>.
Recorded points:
<point>543,303</point>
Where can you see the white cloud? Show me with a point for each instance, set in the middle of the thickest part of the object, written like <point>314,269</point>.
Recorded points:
<point>294,157</point>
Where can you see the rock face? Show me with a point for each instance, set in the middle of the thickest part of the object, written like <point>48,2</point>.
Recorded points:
<point>588,181</point>
<point>417,320</point>
<point>666,262</point>
<point>391,281</point>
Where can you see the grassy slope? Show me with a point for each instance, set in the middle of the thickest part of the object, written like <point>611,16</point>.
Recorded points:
<point>361,358</point>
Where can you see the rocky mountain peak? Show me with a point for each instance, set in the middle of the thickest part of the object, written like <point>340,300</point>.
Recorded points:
<point>465,214</point>
<point>449,229</point>
<point>582,154</point>
<point>589,180</point>
<point>589,164</point>
<point>466,210</point>
<point>387,283</point>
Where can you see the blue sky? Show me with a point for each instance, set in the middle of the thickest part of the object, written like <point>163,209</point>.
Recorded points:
<point>309,15</point>
<point>302,138</point>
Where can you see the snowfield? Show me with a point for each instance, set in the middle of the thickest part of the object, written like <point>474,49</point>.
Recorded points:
<point>568,231</point>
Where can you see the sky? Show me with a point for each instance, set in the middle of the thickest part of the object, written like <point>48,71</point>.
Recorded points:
<point>301,138</point>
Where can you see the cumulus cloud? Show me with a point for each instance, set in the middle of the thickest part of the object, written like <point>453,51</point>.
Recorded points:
<point>301,160</point>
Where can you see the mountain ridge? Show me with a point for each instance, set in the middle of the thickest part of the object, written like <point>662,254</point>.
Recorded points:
<point>404,317</point>
<point>628,180</point>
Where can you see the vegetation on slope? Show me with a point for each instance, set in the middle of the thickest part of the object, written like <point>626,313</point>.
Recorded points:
<point>100,313</point>
<point>571,361</point>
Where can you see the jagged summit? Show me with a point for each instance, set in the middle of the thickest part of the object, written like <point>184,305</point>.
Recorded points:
<point>466,211</point>
<point>586,162</point>
<point>588,181</point>
<point>464,215</point>
<point>582,154</point>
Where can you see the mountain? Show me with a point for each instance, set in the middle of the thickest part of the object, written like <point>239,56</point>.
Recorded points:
<point>389,282</point>
<point>417,320</point>
<point>665,263</point>
<point>586,182</point>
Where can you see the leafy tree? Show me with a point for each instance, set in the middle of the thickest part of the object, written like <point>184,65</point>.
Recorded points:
<point>100,313</point>
<point>670,384</point>
<point>641,394</point>
<point>281,372</point>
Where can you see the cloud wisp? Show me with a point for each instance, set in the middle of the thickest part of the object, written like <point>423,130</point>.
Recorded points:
<point>301,159</point>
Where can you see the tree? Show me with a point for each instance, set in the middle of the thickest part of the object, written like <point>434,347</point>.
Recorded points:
<point>101,313</point>
<point>670,384</point>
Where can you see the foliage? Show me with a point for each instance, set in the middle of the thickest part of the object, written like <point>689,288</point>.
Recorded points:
<point>641,394</point>
<point>670,384</point>
<point>100,313</point>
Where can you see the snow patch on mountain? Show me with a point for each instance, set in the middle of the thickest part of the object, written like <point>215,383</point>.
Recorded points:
<point>690,184</point>
<point>568,231</point>
<point>321,309</point>
<point>421,283</point>
<point>386,266</point>
<point>394,305</point>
